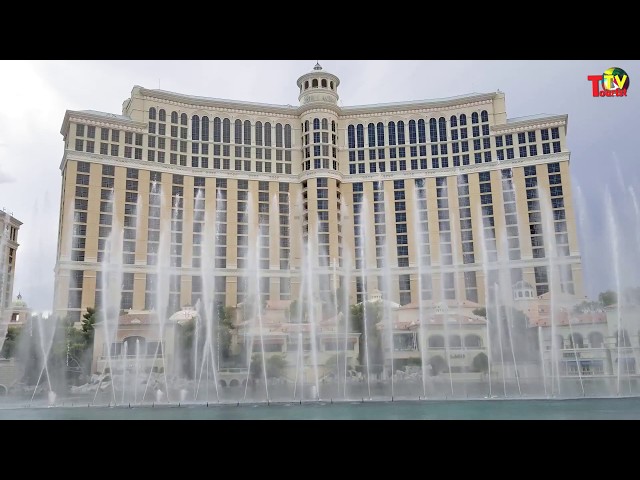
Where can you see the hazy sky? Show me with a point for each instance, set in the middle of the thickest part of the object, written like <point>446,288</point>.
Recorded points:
<point>35,94</point>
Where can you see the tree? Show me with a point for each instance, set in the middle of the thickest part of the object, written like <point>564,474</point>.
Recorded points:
<point>481,363</point>
<point>372,312</point>
<point>10,341</point>
<point>438,365</point>
<point>608,298</point>
<point>276,365</point>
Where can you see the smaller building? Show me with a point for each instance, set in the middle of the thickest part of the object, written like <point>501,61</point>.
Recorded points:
<point>136,342</point>
<point>318,341</point>
<point>447,336</point>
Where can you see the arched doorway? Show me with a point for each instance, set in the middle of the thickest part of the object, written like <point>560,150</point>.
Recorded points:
<point>134,345</point>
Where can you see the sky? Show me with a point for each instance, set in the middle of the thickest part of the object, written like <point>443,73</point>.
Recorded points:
<point>605,163</point>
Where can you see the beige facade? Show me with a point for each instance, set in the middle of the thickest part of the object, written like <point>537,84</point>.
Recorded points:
<point>9,227</point>
<point>186,188</point>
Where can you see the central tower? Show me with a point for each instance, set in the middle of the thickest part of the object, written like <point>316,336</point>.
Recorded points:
<point>321,177</point>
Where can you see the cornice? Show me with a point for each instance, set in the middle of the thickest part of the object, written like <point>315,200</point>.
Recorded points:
<point>420,106</point>
<point>221,105</point>
<point>106,120</point>
<point>434,269</point>
<point>440,172</point>
<point>519,126</point>
<point>178,169</point>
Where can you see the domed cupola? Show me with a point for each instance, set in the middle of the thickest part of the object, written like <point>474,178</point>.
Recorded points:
<point>318,86</point>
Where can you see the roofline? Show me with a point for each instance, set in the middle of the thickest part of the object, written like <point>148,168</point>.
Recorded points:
<point>218,102</point>
<point>562,119</point>
<point>473,98</point>
<point>115,119</point>
<point>437,103</point>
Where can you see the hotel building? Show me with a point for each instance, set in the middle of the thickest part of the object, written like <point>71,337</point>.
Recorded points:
<point>9,227</point>
<point>427,183</point>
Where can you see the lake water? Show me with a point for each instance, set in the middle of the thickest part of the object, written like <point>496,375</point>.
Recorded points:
<point>543,409</point>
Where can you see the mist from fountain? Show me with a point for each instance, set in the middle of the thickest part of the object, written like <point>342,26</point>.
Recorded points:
<point>386,287</point>
<point>419,235</point>
<point>364,227</point>
<point>613,238</point>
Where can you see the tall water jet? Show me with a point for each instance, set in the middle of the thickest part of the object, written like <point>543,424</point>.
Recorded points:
<point>125,349</point>
<point>207,308</point>
<point>163,272</point>
<point>550,252</point>
<point>346,257</point>
<point>363,278</point>
<point>137,380</point>
<point>503,275</point>
<point>313,303</point>
<point>420,233</point>
<point>487,296</point>
<point>386,279</point>
<point>613,238</point>
<point>111,276</point>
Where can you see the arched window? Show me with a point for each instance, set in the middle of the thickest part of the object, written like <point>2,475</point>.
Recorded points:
<point>596,340</point>
<point>314,83</point>
<point>324,83</point>
<point>267,134</point>
<point>174,117</point>
<point>162,115</point>
<point>463,120</point>
<point>436,341</point>
<point>226,131</point>
<point>238,131</point>
<point>412,132</point>
<point>184,120</point>
<point>380,127</point>
<point>400,132</point>
<point>204,127</point>
<point>152,113</point>
<point>258,133</point>
<point>306,125</point>
<point>195,127</point>
<point>216,129</point>
<point>372,134</point>
<point>442,123</point>
<point>351,136</point>
<point>333,125</point>
<point>392,133</point>
<point>454,121</point>
<point>484,116</point>
<point>576,341</point>
<point>325,124</point>
<point>433,130</point>
<point>474,117</point>
<point>247,132</point>
<point>306,84</point>
<point>331,85</point>
<point>422,136</point>
<point>287,136</point>
<point>472,341</point>
<point>360,135</point>
<point>279,135</point>
<point>455,341</point>
<point>316,124</point>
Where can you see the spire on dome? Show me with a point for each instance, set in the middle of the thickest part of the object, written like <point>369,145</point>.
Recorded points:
<point>317,67</point>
